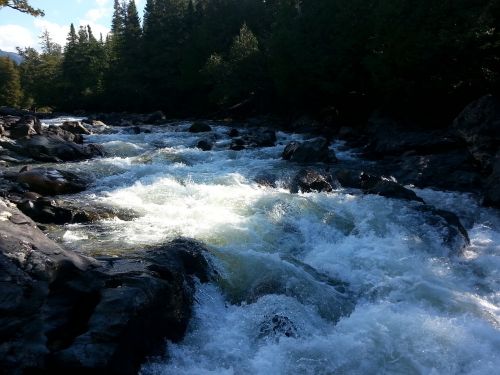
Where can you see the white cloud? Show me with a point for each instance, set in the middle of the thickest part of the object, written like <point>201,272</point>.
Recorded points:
<point>102,3</point>
<point>12,36</point>
<point>56,31</point>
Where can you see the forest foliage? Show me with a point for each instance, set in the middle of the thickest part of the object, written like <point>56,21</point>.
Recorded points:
<point>198,56</point>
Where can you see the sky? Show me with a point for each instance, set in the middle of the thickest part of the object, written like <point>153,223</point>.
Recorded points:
<point>21,30</point>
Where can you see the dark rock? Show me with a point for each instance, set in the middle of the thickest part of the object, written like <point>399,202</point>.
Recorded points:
<point>266,179</point>
<point>454,170</point>
<point>237,144</point>
<point>25,127</point>
<point>392,189</point>
<point>454,233</point>
<point>157,117</point>
<point>308,180</point>
<point>373,184</point>
<point>65,135</point>
<point>479,126</point>
<point>45,211</point>
<point>136,130</point>
<point>75,127</point>
<point>200,127</point>
<point>61,312</point>
<point>52,148</point>
<point>234,133</point>
<point>492,185</point>
<point>30,264</point>
<point>305,124</point>
<point>277,326</point>
<point>312,151</point>
<point>52,181</point>
<point>205,145</point>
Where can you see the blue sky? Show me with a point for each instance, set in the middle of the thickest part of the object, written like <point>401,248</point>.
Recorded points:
<point>17,29</point>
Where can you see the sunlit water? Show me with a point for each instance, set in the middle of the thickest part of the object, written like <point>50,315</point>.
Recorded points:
<point>336,283</point>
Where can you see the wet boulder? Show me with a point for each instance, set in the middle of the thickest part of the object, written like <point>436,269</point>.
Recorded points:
<point>52,148</point>
<point>65,135</point>
<point>61,312</point>
<point>234,133</point>
<point>311,151</point>
<point>75,127</point>
<point>454,234</point>
<point>31,263</point>
<point>205,144</point>
<point>200,127</point>
<point>45,211</point>
<point>374,184</point>
<point>51,181</point>
<point>146,299</point>
<point>309,180</point>
<point>25,127</point>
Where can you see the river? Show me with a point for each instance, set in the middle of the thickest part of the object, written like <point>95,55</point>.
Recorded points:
<point>316,283</point>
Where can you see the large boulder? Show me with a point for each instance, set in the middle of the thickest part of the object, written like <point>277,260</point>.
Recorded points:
<point>52,148</point>
<point>61,312</point>
<point>25,127</point>
<point>51,181</point>
<point>311,151</point>
<point>479,126</point>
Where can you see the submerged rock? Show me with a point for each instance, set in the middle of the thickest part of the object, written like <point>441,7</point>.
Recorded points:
<point>277,326</point>
<point>205,144</point>
<point>63,312</point>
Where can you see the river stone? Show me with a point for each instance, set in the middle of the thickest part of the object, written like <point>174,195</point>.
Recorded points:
<point>52,181</point>
<point>52,148</point>
<point>309,180</point>
<point>312,151</point>
<point>200,127</point>
<point>25,127</point>
<point>205,144</point>
<point>75,127</point>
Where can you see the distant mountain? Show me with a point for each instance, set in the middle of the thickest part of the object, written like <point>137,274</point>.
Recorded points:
<point>11,55</point>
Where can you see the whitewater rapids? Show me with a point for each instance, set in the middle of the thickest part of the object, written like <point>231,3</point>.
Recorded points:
<point>316,283</point>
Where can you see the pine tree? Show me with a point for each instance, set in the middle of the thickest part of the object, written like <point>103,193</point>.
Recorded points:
<point>10,83</point>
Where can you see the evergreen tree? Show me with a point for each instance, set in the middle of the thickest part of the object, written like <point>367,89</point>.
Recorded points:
<point>10,83</point>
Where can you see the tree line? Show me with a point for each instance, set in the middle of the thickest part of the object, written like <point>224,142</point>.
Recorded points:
<point>200,56</point>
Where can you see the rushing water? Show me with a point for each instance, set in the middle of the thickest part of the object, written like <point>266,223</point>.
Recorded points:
<point>315,283</point>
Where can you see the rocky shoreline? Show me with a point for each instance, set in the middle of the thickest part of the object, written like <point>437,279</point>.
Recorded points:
<point>61,310</point>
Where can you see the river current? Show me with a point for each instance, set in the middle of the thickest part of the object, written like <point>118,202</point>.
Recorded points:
<point>315,283</point>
